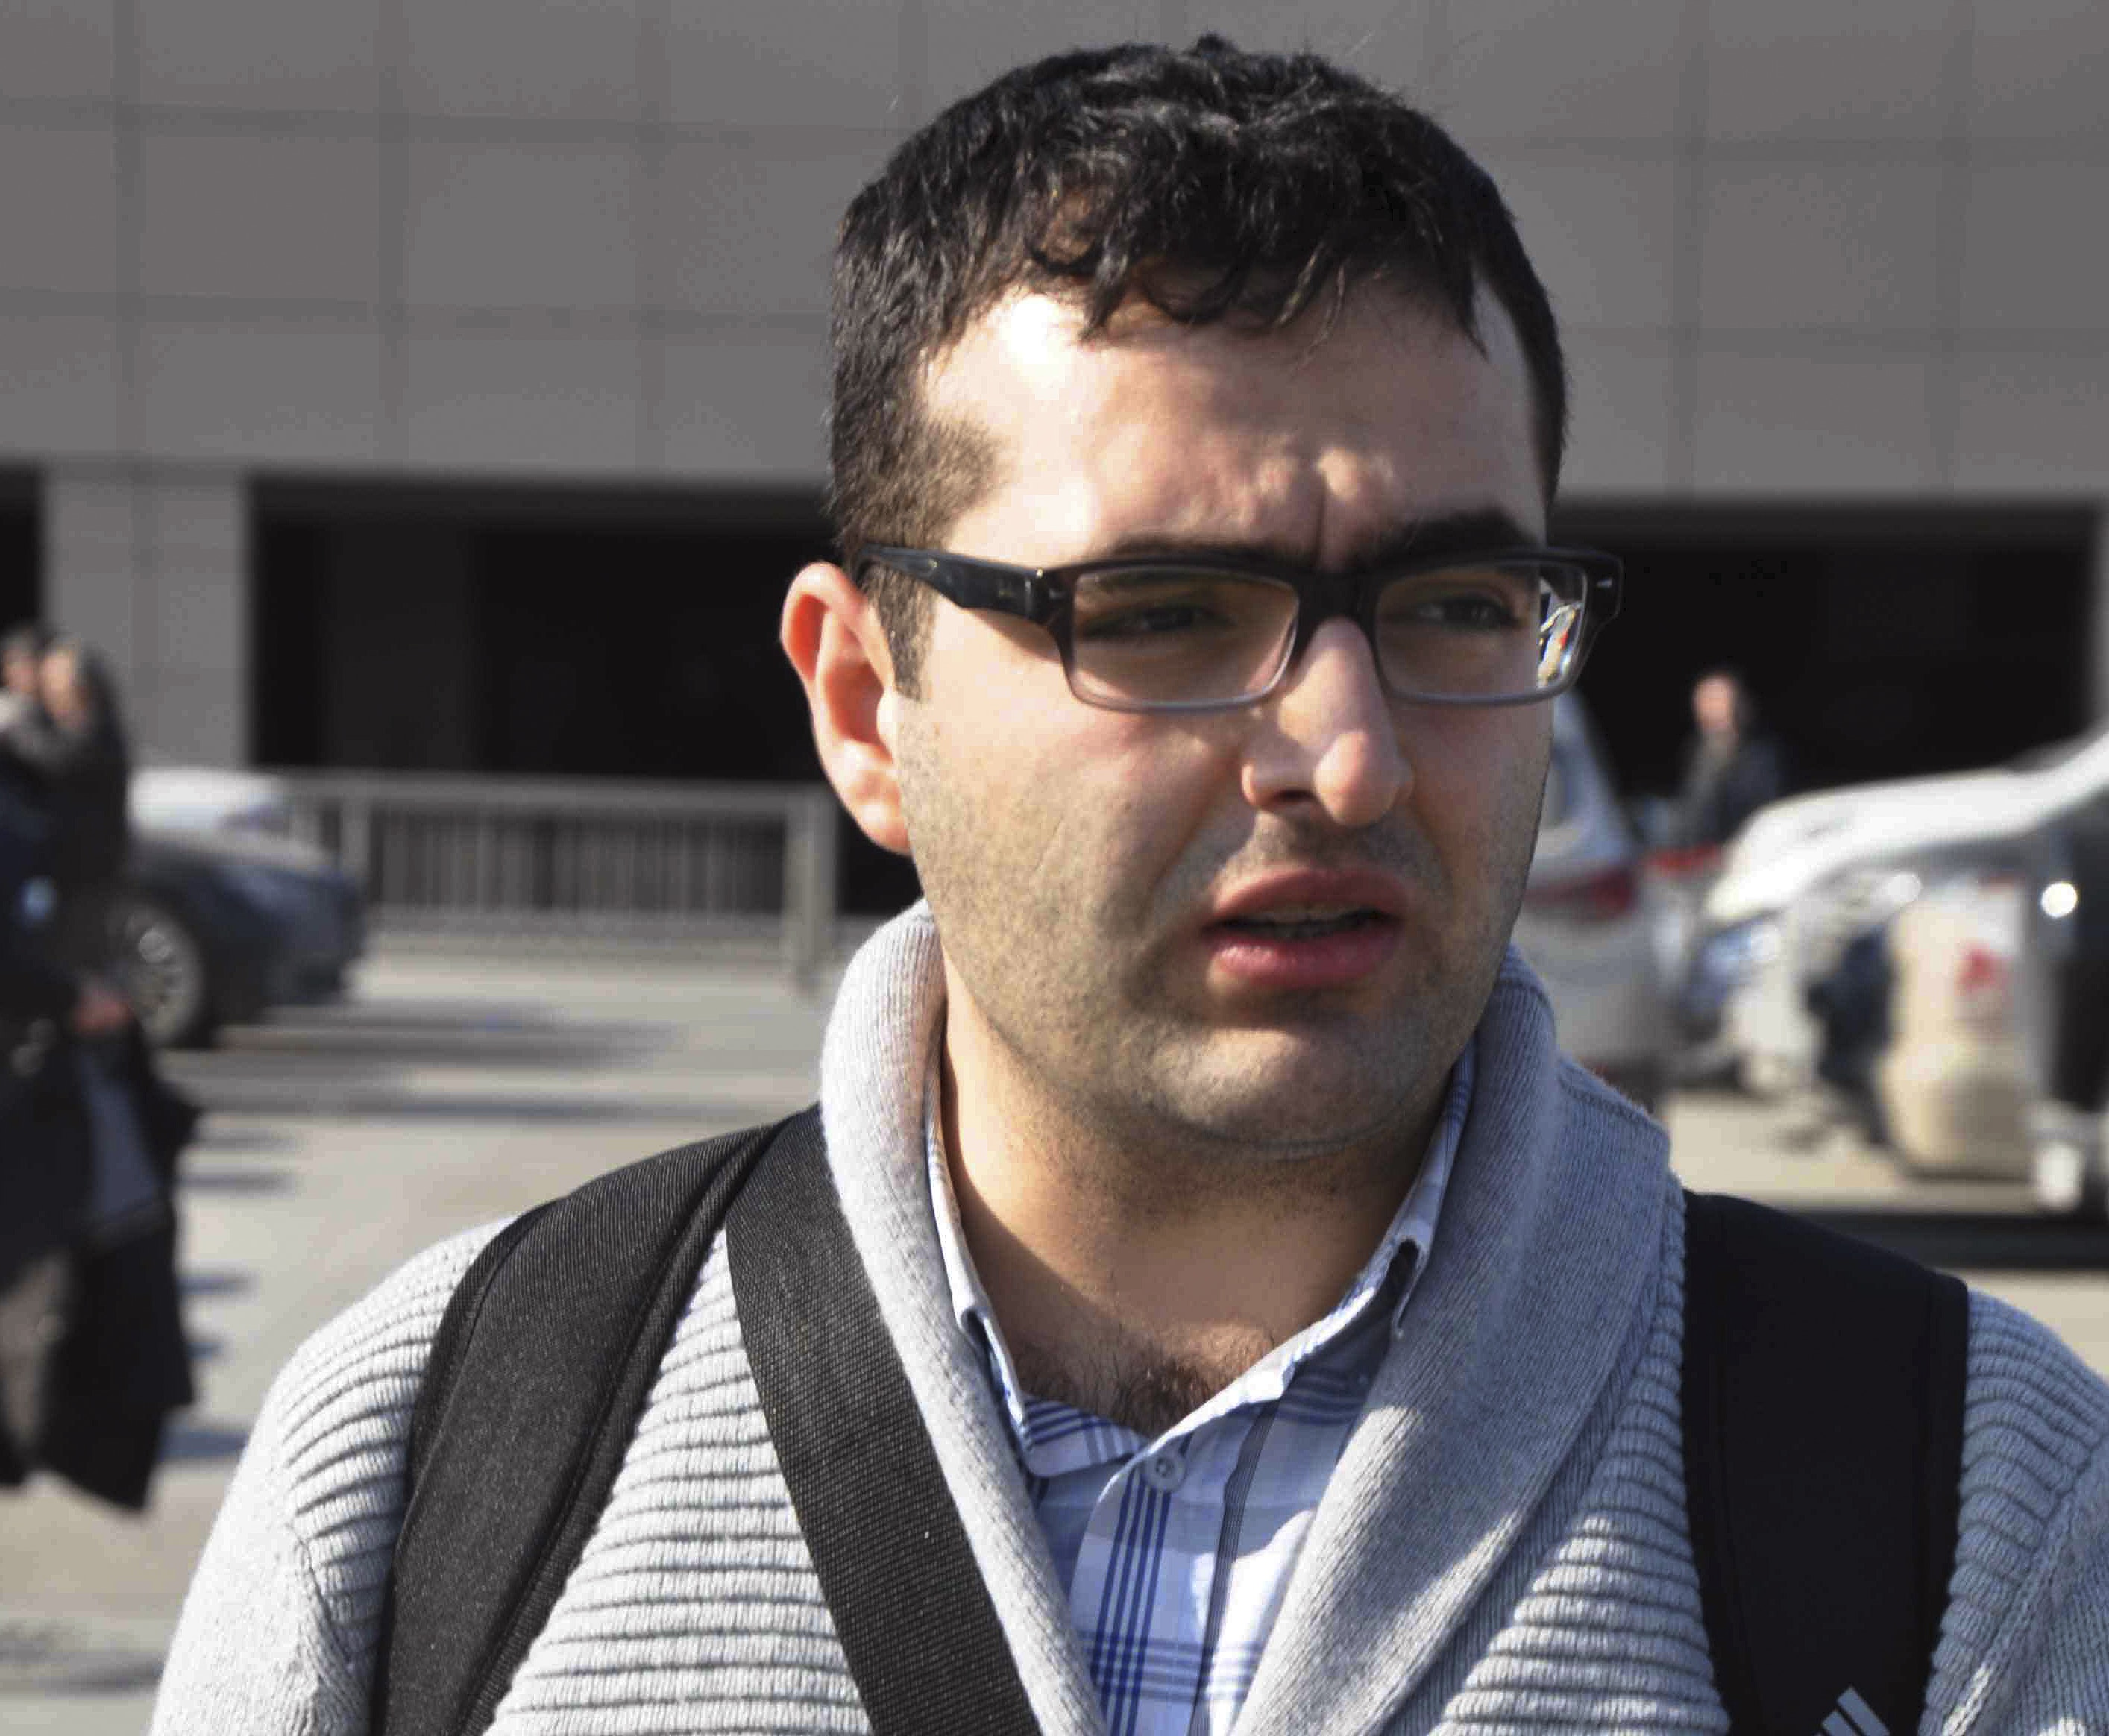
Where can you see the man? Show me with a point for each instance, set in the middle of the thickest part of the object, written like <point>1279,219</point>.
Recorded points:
<point>1298,1334</point>
<point>1731,767</point>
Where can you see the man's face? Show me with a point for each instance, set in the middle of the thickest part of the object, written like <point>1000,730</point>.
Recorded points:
<point>1080,861</point>
<point>1714,705</point>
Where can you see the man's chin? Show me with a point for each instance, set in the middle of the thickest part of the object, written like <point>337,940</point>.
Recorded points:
<point>1303,1094</point>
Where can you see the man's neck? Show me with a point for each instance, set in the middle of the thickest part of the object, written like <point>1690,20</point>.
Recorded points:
<point>1135,1278</point>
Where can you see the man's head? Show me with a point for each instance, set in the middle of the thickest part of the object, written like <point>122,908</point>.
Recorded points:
<point>1210,184</point>
<point>1140,301</point>
<point>21,650</point>
<point>1719,706</point>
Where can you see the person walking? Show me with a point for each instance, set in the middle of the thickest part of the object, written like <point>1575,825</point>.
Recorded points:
<point>1203,1298</point>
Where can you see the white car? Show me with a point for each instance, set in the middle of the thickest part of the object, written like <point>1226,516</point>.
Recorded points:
<point>198,798</point>
<point>1803,871</point>
<point>1586,926</point>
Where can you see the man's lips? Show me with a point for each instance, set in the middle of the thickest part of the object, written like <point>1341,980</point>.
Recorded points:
<point>1289,896</point>
<point>1306,930</point>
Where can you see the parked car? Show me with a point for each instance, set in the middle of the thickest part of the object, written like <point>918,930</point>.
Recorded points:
<point>1791,876</point>
<point>2062,1006</point>
<point>213,928</point>
<point>1585,927</point>
<point>219,917</point>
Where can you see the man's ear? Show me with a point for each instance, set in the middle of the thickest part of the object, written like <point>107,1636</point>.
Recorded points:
<point>833,636</point>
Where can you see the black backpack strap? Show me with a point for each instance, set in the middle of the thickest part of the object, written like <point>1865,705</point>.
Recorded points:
<point>915,1620</point>
<point>542,1362</point>
<point>1823,1400</point>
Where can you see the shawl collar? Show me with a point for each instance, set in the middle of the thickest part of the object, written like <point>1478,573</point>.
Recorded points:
<point>1548,1245</point>
<point>872,1070</point>
<point>1548,1248</point>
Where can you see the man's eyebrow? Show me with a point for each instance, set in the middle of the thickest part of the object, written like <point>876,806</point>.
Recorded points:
<point>1449,532</point>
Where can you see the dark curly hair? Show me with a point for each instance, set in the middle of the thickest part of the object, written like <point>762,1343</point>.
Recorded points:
<point>1206,181</point>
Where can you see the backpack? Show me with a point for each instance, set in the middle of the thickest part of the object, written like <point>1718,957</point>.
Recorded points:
<point>1822,1403</point>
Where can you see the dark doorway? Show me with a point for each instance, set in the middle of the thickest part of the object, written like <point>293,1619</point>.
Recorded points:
<point>645,653</point>
<point>1877,642</point>
<point>21,551</point>
<point>563,632</point>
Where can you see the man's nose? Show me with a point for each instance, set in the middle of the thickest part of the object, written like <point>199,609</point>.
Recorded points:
<point>1328,737</point>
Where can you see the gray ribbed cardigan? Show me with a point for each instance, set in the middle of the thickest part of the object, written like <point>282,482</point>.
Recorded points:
<point>1502,1547</point>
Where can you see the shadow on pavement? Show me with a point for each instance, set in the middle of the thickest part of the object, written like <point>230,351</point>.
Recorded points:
<point>212,1136</point>
<point>220,1283</point>
<point>185,1443</point>
<point>41,1654</point>
<point>195,1179</point>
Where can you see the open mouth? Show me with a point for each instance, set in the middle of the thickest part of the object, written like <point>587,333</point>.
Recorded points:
<point>1303,927</point>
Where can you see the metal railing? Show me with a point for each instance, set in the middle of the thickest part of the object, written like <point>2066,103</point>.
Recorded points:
<point>492,855</point>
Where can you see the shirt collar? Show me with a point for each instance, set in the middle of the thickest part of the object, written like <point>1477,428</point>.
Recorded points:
<point>1396,1264</point>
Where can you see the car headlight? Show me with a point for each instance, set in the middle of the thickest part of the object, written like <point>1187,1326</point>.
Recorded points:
<point>1735,954</point>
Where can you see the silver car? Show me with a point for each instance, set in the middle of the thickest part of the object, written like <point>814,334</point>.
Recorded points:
<point>1586,927</point>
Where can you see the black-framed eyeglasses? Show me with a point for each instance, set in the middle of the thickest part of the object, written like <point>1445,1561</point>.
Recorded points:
<point>1502,626</point>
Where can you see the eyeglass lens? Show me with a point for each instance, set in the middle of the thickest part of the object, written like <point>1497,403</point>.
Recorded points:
<point>1149,636</point>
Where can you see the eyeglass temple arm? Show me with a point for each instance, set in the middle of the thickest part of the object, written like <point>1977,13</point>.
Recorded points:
<point>970,584</point>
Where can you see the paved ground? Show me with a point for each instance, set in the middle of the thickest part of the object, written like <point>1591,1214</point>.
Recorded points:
<point>455,1089</point>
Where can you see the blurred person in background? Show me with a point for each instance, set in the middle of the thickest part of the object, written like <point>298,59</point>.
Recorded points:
<point>71,741</point>
<point>22,651</point>
<point>1733,767</point>
<point>92,1353</point>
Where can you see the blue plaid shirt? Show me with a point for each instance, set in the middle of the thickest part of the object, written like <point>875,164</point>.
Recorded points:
<point>1176,1551</point>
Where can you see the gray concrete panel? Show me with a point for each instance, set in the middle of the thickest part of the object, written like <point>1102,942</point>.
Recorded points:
<point>551,59</point>
<point>2036,70</point>
<point>1822,424</point>
<point>62,395</point>
<point>269,392</point>
<point>746,224</point>
<point>58,208</point>
<point>288,56</point>
<point>1621,399</point>
<point>1549,70</point>
<point>746,406</point>
<point>268,215</point>
<point>2033,421</point>
<point>477,401</point>
<point>1814,70</point>
<point>59,50</point>
<point>2036,248</point>
<point>1601,231</point>
<point>1799,245</point>
<point>515,224</point>
<point>798,63</point>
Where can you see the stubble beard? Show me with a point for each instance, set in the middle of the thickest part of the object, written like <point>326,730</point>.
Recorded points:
<point>1113,1082</point>
<point>1153,1113</point>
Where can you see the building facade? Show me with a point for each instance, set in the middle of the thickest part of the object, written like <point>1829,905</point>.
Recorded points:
<point>324,322</point>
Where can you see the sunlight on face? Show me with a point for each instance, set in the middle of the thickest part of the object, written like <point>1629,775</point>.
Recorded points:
<point>1076,858</point>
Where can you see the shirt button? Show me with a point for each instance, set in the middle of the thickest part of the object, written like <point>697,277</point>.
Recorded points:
<point>1164,1472</point>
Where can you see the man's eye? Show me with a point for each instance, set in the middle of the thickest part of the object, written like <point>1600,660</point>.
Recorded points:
<point>1458,612</point>
<point>1146,622</point>
<point>1155,608</point>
